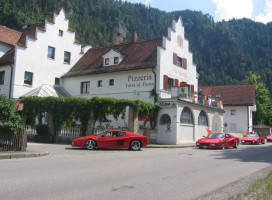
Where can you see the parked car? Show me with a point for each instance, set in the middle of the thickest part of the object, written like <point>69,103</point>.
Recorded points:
<point>269,138</point>
<point>112,139</point>
<point>255,138</point>
<point>218,141</point>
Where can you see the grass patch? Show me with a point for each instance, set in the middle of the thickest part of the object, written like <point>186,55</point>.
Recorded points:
<point>261,189</point>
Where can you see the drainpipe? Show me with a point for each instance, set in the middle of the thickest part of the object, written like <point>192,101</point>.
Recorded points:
<point>10,82</point>
<point>155,78</point>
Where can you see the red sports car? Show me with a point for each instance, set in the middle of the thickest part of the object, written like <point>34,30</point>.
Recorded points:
<point>269,138</point>
<point>112,139</point>
<point>218,141</point>
<point>253,139</point>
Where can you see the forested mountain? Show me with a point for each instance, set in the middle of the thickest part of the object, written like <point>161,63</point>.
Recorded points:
<point>224,52</point>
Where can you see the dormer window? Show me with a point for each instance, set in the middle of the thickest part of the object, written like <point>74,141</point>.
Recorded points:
<point>107,61</point>
<point>116,60</point>
<point>112,58</point>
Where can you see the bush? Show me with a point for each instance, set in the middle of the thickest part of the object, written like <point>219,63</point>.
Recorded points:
<point>10,120</point>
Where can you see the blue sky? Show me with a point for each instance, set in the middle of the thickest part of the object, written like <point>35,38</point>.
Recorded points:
<point>257,10</point>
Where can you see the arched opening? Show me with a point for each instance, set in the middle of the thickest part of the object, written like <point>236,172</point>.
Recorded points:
<point>216,123</point>
<point>165,119</point>
<point>186,116</point>
<point>203,119</point>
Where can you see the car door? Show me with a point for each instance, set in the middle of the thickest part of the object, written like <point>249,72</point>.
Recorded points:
<point>108,140</point>
<point>121,139</point>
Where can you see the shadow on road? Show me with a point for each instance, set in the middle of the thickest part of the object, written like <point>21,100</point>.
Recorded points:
<point>249,153</point>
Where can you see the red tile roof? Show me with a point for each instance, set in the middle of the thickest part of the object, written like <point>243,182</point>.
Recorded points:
<point>231,95</point>
<point>138,55</point>
<point>9,36</point>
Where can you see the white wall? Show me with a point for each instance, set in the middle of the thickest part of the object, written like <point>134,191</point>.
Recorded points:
<point>238,122</point>
<point>165,58</point>
<point>4,89</point>
<point>34,58</point>
<point>133,85</point>
<point>4,49</point>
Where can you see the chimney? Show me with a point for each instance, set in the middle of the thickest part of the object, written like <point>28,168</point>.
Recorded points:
<point>133,36</point>
<point>119,38</point>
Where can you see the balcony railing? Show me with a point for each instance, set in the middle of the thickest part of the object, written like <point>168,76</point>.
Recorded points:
<point>175,93</point>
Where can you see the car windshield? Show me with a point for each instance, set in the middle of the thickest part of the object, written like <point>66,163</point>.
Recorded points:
<point>252,135</point>
<point>216,135</point>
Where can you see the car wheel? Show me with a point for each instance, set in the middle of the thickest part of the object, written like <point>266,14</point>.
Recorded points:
<point>236,144</point>
<point>223,145</point>
<point>263,142</point>
<point>259,141</point>
<point>90,144</point>
<point>135,145</point>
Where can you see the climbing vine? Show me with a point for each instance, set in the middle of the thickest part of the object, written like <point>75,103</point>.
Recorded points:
<point>62,108</point>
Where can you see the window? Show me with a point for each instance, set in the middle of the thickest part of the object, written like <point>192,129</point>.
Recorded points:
<point>186,116</point>
<point>179,61</point>
<point>111,82</point>
<point>165,119</point>
<point>99,83</point>
<point>67,56</point>
<point>60,33</point>
<point>202,118</point>
<point>28,78</point>
<point>2,77</point>
<point>107,61</point>
<point>57,81</point>
<point>116,60</point>
<point>51,52</point>
<point>85,87</point>
<point>233,112</point>
<point>171,82</point>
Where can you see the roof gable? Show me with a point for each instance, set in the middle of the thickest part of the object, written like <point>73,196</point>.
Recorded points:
<point>112,53</point>
<point>231,95</point>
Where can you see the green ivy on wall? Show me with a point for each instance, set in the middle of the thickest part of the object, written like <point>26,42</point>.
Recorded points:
<point>62,108</point>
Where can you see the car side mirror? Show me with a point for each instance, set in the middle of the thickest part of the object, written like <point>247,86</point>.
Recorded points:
<point>204,136</point>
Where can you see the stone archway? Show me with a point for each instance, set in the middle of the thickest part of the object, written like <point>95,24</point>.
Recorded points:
<point>217,123</point>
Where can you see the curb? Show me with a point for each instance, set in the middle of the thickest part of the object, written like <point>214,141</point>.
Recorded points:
<point>12,155</point>
<point>170,146</point>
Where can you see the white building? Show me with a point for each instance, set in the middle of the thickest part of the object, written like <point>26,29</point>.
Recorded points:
<point>132,70</point>
<point>37,56</point>
<point>239,105</point>
<point>46,60</point>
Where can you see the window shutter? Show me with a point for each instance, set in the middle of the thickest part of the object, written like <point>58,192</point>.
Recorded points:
<point>185,63</point>
<point>176,82</point>
<point>165,82</point>
<point>192,88</point>
<point>175,59</point>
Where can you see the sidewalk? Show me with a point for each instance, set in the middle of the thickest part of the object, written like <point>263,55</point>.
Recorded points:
<point>41,152</point>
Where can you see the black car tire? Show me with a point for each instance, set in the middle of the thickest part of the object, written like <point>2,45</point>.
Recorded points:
<point>236,144</point>
<point>135,145</point>
<point>90,144</point>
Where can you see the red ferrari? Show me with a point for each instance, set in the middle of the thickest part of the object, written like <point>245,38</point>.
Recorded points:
<point>218,141</point>
<point>269,138</point>
<point>253,139</point>
<point>112,139</point>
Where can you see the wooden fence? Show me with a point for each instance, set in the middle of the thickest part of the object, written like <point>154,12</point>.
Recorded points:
<point>13,142</point>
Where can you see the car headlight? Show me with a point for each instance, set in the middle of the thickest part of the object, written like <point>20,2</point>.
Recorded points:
<point>197,143</point>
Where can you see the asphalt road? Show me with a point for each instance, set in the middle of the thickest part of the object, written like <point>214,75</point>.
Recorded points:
<point>172,174</point>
